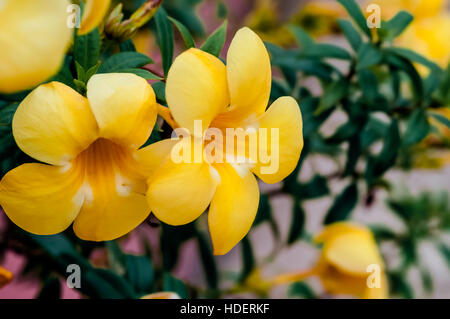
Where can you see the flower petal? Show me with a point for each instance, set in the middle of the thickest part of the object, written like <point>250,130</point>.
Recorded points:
<point>180,192</point>
<point>54,123</point>
<point>233,207</point>
<point>124,105</point>
<point>196,88</point>
<point>110,216</point>
<point>33,39</point>
<point>249,75</point>
<point>41,199</point>
<point>93,14</point>
<point>285,117</point>
<point>152,156</point>
<point>350,248</point>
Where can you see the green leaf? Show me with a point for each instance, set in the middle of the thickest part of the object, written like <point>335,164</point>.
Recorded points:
<point>160,91</point>
<point>51,289</point>
<point>81,74</point>
<point>368,83</point>
<point>92,71</point>
<point>140,273</point>
<point>352,8</point>
<point>307,66</point>
<point>301,290</point>
<point>123,61</point>
<point>353,37</point>
<point>171,239</point>
<point>65,74</point>
<point>302,37</point>
<point>400,286</point>
<point>441,119</point>
<point>413,56</point>
<point>342,205</point>
<point>214,43</point>
<point>209,264</point>
<point>164,35</point>
<point>417,128</point>
<point>127,46</point>
<point>248,258</point>
<point>146,74</point>
<point>445,252</point>
<point>116,257</point>
<point>388,154</point>
<point>86,49</point>
<point>185,34</point>
<point>325,50</point>
<point>297,223</point>
<point>368,55</point>
<point>173,284</point>
<point>395,26</point>
<point>332,95</point>
<point>222,10</point>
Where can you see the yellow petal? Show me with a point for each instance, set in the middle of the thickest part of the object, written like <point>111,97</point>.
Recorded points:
<point>233,207</point>
<point>41,199</point>
<point>93,14</point>
<point>196,88</point>
<point>249,75</point>
<point>114,192</point>
<point>33,39</point>
<point>285,117</point>
<point>124,105</point>
<point>152,156</point>
<point>350,248</point>
<point>54,123</point>
<point>338,283</point>
<point>5,277</point>
<point>180,192</point>
<point>381,292</point>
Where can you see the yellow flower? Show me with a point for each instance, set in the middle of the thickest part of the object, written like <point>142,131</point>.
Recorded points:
<point>350,263</point>
<point>95,175</point>
<point>93,14</point>
<point>200,87</point>
<point>33,39</point>
<point>5,277</point>
<point>162,295</point>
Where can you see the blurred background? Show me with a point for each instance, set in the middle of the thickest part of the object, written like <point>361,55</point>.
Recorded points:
<point>407,204</point>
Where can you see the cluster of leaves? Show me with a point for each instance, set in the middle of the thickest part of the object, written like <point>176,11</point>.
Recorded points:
<point>373,84</point>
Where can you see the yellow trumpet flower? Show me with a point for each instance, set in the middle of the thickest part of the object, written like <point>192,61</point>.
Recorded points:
<point>201,88</point>
<point>95,177</point>
<point>350,263</point>
<point>94,12</point>
<point>5,277</point>
<point>33,39</point>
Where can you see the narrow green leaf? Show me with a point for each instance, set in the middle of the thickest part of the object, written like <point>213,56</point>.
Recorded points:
<point>160,91</point>
<point>325,50</point>
<point>124,60</point>
<point>304,40</point>
<point>342,205</point>
<point>441,119</point>
<point>165,38</point>
<point>146,74</point>
<point>92,71</point>
<point>173,284</point>
<point>86,49</point>
<point>353,37</point>
<point>51,289</point>
<point>332,95</point>
<point>139,271</point>
<point>301,290</point>
<point>368,55</point>
<point>209,264</point>
<point>395,26</point>
<point>185,34</point>
<point>127,46</point>
<point>368,83</point>
<point>413,56</point>
<point>354,11</point>
<point>214,43</point>
<point>297,223</point>
<point>417,128</point>
<point>81,74</point>
<point>248,258</point>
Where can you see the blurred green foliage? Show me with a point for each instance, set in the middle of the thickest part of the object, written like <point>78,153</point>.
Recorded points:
<point>377,79</point>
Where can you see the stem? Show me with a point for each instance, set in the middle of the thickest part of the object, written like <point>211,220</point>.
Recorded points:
<point>294,276</point>
<point>165,113</point>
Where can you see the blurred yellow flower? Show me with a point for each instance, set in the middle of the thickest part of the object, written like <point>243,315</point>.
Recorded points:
<point>350,263</point>
<point>94,12</point>
<point>200,87</point>
<point>33,39</point>
<point>162,295</point>
<point>96,172</point>
<point>5,277</point>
